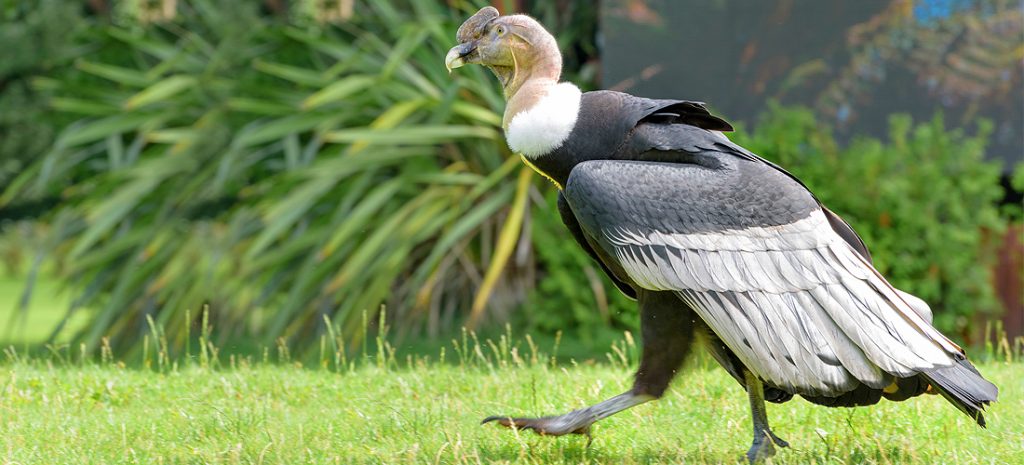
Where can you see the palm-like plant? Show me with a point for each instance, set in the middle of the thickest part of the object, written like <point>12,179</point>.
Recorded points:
<point>277,175</point>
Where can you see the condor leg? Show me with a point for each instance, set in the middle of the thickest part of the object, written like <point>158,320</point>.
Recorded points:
<point>764,439</point>
<point>667,336</point>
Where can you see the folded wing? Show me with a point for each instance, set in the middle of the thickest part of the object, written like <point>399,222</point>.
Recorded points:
<point>754,254</point>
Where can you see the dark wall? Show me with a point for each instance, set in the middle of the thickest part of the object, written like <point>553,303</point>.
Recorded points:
<point>854,62</point>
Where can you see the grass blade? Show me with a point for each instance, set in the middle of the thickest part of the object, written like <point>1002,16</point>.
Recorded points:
<point>160,91</point>
<point>337,91</point>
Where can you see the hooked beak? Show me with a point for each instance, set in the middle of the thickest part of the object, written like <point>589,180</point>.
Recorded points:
<point>456,57</point>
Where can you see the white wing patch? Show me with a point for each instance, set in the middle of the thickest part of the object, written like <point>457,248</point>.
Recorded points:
<point>792,236</point>
<point>547,124</point>
<point>795,303</point>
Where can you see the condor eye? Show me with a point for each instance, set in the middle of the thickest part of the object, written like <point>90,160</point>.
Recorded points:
<point>500,30</point>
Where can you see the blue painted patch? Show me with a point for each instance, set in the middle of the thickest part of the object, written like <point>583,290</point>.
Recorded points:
<point>933,11</point>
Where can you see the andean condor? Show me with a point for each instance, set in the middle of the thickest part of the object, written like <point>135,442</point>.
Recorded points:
<point>709,237</point>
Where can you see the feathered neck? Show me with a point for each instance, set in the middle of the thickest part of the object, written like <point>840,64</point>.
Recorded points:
<point>540,116</point>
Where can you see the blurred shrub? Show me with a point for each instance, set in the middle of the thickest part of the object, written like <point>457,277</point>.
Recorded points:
<point>1012,206</point>
<point>45,34</point>
<point>278,174</point>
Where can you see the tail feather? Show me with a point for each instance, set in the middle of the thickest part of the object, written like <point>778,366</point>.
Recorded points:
<point>965,388</point>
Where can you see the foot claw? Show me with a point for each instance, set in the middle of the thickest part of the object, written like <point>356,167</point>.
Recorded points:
<point>503,421</point>
<point>778,441</point>
<point>517,423</point>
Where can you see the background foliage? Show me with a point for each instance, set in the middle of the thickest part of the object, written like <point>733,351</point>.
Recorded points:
<point>281,171</point>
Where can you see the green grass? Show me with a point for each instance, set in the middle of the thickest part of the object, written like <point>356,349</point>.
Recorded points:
<point>417,411</point>
<point>408,409</point>
<point>46,308</point>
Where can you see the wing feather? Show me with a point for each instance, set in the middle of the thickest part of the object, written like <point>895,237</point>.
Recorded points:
<point>791,298</point>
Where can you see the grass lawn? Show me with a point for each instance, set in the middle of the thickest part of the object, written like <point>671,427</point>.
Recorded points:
<point>423,412</point>
<point>47,306</point>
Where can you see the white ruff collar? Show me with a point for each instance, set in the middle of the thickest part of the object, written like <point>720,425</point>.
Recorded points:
<point>546,125</point>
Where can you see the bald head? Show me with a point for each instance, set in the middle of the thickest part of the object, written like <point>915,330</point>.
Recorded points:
<point>516,48</point>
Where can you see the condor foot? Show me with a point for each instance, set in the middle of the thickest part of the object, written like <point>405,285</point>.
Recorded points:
<point>576,421</point>
<point>764,447</point>
<point>570,423</point>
